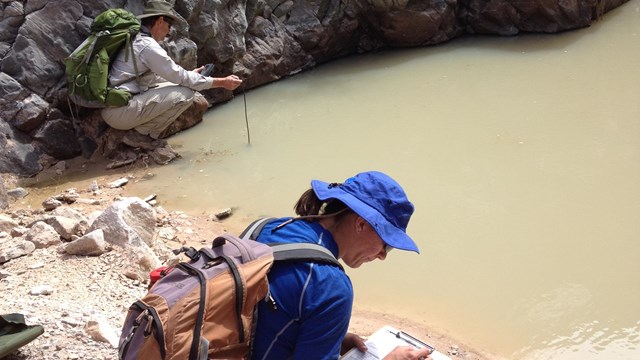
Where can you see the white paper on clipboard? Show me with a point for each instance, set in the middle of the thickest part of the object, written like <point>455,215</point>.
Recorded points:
<point>384,340</point>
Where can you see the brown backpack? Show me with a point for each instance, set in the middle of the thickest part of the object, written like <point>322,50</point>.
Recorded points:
<point>204,308</point>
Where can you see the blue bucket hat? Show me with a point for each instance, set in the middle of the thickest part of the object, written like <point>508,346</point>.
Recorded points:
<point>379,200</point>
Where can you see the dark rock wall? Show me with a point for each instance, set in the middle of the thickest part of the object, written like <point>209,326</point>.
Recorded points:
<point>260,40</point>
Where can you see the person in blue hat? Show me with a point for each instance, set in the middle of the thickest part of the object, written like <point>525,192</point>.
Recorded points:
<point>309,305</point>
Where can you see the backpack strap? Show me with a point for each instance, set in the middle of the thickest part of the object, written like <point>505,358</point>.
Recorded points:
<point>128,49</point>
<point>253,230</point>
<point>290,252</point>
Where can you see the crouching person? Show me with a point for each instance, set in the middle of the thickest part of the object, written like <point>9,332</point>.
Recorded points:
<point>163,89</point>
<point>309,306</point>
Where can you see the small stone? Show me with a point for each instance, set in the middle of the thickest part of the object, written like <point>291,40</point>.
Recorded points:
<point>41,290</point>
<point>118,183</point>
<point>17,193</point>
<point>453,350</point>
<point>4,274</point>
<point>94,186</point>
<point>71,321</point>
<point>51,203</point>
<point>224,214</point>
<point>100,330</point>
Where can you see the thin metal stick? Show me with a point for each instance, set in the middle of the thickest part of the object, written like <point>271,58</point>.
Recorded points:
<point>246,119</point>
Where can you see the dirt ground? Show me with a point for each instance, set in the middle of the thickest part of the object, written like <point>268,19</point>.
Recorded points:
<point>91,287</point>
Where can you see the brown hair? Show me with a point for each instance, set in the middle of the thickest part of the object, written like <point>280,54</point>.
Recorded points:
<point>310,205</point>
<point>149,21</point>
<point>310,208</point>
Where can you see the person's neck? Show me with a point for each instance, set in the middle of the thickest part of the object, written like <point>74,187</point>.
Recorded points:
<point>145,30</point>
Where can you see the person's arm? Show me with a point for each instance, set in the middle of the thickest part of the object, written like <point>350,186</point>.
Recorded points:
<point>158,61</point>
<point>230,82</point>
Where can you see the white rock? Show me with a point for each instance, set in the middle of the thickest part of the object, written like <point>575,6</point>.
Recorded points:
<point>118,183</point>
<point>100,330</point>
<point>41,290</point>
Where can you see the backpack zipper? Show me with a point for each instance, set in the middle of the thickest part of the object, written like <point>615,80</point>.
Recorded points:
<point>153,323</point>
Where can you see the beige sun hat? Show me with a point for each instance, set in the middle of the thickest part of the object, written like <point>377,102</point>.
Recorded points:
<point>159,8</point>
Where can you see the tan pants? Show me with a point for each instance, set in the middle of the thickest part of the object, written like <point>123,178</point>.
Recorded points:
<point>152,111</point>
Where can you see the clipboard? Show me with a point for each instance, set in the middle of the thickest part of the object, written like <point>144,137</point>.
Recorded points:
<point>384,340</point>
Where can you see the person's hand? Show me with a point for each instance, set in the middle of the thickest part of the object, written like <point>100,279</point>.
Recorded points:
<point>230,82</point>
<point>350,341</point>
<point>408,353</point>
<point>198,70</point>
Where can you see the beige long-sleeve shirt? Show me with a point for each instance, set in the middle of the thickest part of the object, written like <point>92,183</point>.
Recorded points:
<point>155,66</point>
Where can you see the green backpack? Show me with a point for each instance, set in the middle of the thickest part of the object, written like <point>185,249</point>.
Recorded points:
<point>87,67</point>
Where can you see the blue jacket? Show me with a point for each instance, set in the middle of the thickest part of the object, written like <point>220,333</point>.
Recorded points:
<point>313,300</point>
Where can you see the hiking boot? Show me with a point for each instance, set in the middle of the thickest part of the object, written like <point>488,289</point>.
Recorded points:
<point>136,140</point>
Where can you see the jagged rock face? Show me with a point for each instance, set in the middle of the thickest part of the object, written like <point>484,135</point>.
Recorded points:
<point>260,40</point>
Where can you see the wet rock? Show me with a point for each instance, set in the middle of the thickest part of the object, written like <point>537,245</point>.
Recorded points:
<point>51,203</point>
<point>118,183</point>
<point>224,214</point>
<point>60,167</point>
<point>164,155</point>
<point>117,164</point>
<point>70,196</point>
<point>94,188</point>
<point>17,193</point>
<point>454,350</point>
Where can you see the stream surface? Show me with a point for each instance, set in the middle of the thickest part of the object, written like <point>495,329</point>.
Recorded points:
<point>521,155</point>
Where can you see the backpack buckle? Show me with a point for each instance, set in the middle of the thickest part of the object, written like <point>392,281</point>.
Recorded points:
<point>191,253</point>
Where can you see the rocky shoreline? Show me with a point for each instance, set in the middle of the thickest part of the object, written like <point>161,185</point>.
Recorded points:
<point>69,265</point>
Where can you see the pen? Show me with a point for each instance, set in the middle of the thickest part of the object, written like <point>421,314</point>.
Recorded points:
<point>411,340</point>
